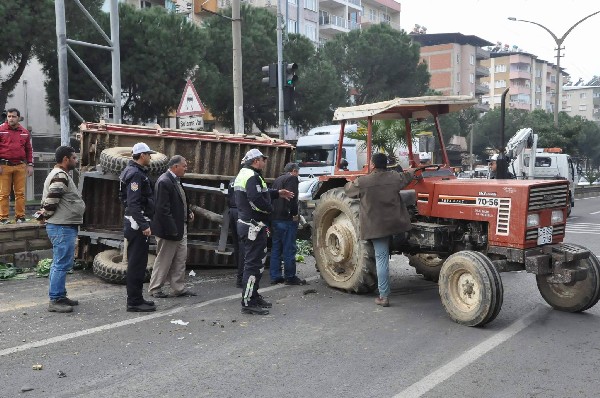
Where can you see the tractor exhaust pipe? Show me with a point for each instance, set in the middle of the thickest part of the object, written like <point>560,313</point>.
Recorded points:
<point>502,162</point>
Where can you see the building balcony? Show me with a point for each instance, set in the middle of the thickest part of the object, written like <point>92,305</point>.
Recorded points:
<point>480,53</point>
<point>481,71</point>
<point>517,89</point>
<point>333,4</point>
<point>596,101</point>
<point>480,89</point>
<point>520,74</point>
<point>333,24</point>
<point>519,105</point>
<point>365,22</point>
<point>482,107</point>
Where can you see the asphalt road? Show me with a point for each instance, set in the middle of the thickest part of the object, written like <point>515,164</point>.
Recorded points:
<point>316,342</point>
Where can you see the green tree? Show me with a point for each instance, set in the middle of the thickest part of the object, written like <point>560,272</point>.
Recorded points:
<point>27,28</point>
<point>378,63</point>
<point>159,51</point>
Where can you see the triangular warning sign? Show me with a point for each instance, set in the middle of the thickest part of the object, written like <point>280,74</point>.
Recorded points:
<point>190,104</point>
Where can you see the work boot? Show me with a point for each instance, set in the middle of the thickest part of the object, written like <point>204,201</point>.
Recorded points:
<point>295,281</point>
<point>20,220</point>
<point>382,301</point>
<point>148,302</point>
<point>141,308</point>
<point>277,281</point>
<point>70,302</point>
<point>59,305</point>
<point>254,310</point>
<point>262,303</point>
<point>4,221</point>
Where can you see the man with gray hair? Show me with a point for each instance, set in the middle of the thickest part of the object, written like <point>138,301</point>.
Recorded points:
<point>171,216</point>
<point>284,223</point>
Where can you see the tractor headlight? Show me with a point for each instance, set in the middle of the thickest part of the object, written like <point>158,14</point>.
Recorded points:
<point>557,216</point>
<point>533,220</point>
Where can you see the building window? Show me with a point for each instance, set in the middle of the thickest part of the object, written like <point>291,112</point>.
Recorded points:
<point>145,4</point>
<point>372,15</point>
<point>538,73</point>
<point>310,5</point>
<point>458,58</point>
<point>538,88</point>
<point>471,78</point>
<point>538,102</point>
<point>292,26</point>
<point>472,59</point>
<point>458,77</point>
<point>500,83</point>
<point>583,107</point>
<point>294,2</point>
<point>311,31</point>
<point>582,95</point>
<point>500,68</point>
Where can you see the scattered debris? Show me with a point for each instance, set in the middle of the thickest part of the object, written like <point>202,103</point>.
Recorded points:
<point>37,366</point>
<point>192,273</point>
<point>43,267</point>
<point>7,271</point>
<point>309,291</point>
<point>61,374</point>
<point>26,388</point>
<point>179,322</point>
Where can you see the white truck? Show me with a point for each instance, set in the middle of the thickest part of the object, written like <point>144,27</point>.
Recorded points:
<point>316,151</point>
<point>549,164</point>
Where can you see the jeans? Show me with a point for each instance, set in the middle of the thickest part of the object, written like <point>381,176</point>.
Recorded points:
<point>284,246</point>
<point>13,177</point>
<point>382,262</point>
<point>63,239</point>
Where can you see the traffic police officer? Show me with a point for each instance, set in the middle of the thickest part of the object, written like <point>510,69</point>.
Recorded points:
<point>253,201</point>
<point>137,196</point>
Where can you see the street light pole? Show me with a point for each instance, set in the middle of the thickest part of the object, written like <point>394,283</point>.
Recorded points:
<point>238,90</point>
<point>559,42</point>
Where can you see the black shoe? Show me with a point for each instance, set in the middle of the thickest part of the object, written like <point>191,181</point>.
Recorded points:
<point>59,305</point>
<point>148,302</point>
<point>159,294</point>
<point>276,281</point>
<point>295,281</point>
<point>141,308</point>
<point>68,301</point>
<point>254,310</point>
<point>262,303</point>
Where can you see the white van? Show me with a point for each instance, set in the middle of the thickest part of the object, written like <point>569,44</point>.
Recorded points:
<point>316,152</point>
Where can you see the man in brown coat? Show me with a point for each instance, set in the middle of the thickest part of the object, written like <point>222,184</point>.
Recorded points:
<point>382,214</point>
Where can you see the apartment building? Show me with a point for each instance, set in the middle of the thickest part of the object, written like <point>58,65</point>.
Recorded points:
<point>582,101</point>
<point>456,63</point>
<point>531,81</point>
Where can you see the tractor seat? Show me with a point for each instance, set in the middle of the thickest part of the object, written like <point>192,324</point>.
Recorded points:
<point>409,197</point>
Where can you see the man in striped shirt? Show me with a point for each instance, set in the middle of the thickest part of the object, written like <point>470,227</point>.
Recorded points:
<point>62,212</point>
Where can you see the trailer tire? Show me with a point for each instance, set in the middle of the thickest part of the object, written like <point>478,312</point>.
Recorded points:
<point>344,260</point>
<point>470,288</point>
<point>109,267</point>
<point>114,160</point>
<point>573,297</point>
<point>428,265</point>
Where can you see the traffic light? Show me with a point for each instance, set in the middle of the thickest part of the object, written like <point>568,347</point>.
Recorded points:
<point>290,74</point>
<point>288,98</point>
<point>270,75</point>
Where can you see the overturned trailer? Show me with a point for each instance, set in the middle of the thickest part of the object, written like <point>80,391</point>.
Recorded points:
<point>213,160</point>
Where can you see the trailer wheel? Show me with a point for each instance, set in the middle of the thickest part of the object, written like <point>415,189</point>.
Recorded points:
<point>470,288</point>
<point>344,261</point>
<point>109,267</point>
<point>114,160</point>
<point>573,297</point>
<point>428,265</point>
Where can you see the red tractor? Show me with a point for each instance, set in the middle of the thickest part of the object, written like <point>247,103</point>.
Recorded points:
<point>464,231</point>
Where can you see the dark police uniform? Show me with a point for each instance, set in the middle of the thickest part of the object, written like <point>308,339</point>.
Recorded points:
<point>253,201</point>
<point>136,194</point>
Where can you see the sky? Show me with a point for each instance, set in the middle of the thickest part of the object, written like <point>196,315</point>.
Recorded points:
<point>488,19</point>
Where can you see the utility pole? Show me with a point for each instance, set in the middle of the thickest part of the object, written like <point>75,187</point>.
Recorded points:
<point>238,91</point>
<point>280,70</point>
<point>63,70</point>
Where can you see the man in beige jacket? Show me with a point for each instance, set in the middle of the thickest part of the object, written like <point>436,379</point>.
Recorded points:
<point>382,214</point>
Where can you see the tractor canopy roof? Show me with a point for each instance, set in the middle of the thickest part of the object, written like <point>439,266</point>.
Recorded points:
<point>402,108</point>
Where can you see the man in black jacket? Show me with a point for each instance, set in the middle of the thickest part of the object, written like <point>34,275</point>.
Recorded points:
<point>285,226</point>
<point>170,228</point>
<point>137,197</point>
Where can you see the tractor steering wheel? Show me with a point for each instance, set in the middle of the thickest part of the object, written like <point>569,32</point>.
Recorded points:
<point>432,167</point>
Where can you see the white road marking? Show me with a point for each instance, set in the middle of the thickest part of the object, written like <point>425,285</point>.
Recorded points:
<point>596,212</point>
<point>440,375</point>
<point>131,321</point>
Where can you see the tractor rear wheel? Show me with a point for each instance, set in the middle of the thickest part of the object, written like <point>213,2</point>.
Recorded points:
<point>343,259</point>
<point>428,265</point>
<point>573,297</point>
<point>109,266</point>
<point>470,288</point>
<point>114,160</point>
